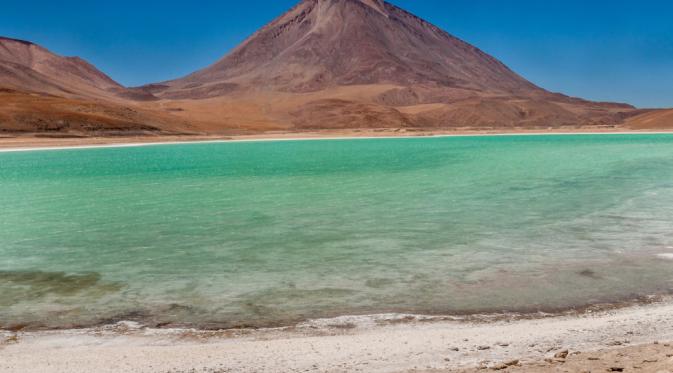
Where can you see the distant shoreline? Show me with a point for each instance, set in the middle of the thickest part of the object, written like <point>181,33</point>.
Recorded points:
<point>35,143</point>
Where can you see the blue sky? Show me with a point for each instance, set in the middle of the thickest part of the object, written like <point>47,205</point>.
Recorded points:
<point>602,50</point>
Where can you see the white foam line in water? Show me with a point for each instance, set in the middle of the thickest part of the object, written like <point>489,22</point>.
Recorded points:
<point>275,139</point>
<point>668,256</point>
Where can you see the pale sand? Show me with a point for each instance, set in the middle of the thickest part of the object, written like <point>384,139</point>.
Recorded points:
<point>30,143</point>
<point>650,358</point>
<point>348,344</point>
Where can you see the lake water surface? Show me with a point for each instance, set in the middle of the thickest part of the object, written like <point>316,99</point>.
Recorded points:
<point>269,233</point>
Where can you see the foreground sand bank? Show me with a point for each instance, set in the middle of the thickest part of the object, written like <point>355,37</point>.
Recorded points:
<point>649,358</point>
<point>386,343</point>
<point>29,142</point>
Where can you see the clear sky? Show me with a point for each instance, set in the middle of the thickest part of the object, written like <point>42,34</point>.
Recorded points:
<point>603,50</point>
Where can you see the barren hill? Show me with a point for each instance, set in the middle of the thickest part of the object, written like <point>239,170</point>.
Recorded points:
<point>27,66</point>
<point>652,120</point>
<point>43,92</point>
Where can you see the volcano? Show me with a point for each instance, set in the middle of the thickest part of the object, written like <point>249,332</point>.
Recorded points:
<point>364,64</point>
<point>320,44</point>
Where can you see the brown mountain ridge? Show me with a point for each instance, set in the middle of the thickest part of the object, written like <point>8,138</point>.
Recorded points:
<point>324,64</point>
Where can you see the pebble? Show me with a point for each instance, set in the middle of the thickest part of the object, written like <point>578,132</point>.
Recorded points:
<point>561,354</point>
<point>500,366</point>
<point>505,365</point>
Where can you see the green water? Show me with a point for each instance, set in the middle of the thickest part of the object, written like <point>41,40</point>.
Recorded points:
<point>268,233</point>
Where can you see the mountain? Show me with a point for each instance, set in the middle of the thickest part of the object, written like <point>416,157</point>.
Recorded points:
<point>321,44</point>
<point>368,63</point>
<point>324,64</point>
<point>24,65</point>
<point>47,93</point>
<point>28,66</point>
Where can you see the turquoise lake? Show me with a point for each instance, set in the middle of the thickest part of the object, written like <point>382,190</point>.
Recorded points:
<point>218,235</point>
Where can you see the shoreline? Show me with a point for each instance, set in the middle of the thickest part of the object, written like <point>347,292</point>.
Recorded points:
<point>391,316</point>
<point>35,143</point>
<point>385,343</point>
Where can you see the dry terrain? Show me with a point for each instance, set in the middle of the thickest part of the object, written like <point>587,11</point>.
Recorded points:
<point>649,358</point>
<point>323,65</point>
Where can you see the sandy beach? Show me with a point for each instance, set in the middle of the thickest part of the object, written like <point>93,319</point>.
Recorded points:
<point>631,339</point>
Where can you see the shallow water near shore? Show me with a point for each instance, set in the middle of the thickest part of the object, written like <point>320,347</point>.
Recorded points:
<point>266,233</point>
